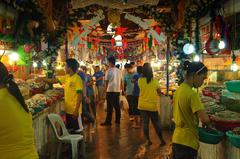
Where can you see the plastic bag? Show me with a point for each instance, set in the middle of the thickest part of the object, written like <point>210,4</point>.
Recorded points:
<point>105,105</point>
<point>124,103</point>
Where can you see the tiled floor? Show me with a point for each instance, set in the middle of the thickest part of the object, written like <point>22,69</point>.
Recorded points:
<point>121,142</point>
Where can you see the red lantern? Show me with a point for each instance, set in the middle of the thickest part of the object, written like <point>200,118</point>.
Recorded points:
<point>119,31</point>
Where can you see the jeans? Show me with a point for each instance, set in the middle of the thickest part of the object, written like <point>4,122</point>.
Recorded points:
<point>183,152</point>
<point>93,106</point>
<point>155,121</point>
<point>113,102</point>
<point>86,113</point>
<point>130,104</point>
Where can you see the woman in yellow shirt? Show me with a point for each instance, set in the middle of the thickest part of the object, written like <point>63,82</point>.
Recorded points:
<point>187,109</point>
<point>16,132</point>
<point>147,104</point>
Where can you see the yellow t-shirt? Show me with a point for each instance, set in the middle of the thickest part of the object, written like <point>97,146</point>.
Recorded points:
<point>72,88</point>
<point>186,102</point>
<point>148,97</point>
<point>16,132</point>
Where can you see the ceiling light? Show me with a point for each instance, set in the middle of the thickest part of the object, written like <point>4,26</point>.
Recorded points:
<point>14,57</point>
<point>234,67</point>
<point>196,58</point>
<point>35,64</point>
<point>221,44</point>
<point>188,48</point>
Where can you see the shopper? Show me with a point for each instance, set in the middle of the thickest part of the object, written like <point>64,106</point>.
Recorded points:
<point>86,100</point>
<point>113,87</point>
<point>129,85</point>
<point>99,76</point>
<point>90,93</point>
<point>187,109</point>
<point>147,104</point>
<point>72,93</point>
<point>16,132</point>
<point>136,93</point>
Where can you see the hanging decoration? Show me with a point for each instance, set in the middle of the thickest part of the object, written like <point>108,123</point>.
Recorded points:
<point>124,41</point>
<point>89,44</point>
<point>165,19</point>
<point>150,42</point>
<point>28,48</point>
<point>146,25</point>
<point>114,17</point>
<point>112,43</point>
<point>120,31</point>
<point>87,28</point>
<point>47,9</point>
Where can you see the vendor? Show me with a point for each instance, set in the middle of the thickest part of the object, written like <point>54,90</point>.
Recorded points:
<point>16,132</point>
<point>187,110</point>
<point>72,93</point>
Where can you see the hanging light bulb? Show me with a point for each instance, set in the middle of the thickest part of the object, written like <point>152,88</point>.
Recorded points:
<point>221,44</point>
<point>188,48</point>
<point>234,67</point>
<point>44,63</point>
<point>35,64</point>
<point>196,58</point>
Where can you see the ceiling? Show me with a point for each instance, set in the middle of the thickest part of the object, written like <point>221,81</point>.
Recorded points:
<point>118,4</point>
<point>133,29</point>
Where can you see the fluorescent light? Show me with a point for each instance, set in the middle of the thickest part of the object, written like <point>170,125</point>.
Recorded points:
<point>14,57</point>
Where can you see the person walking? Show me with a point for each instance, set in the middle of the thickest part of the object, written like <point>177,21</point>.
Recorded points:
<point>86,99</point>
<point>99,76</point>
<point>136,93</point>
<point>129,86</point>
<point>147,104</point>
<point>187,110</point>
<point>113,88</point>
<point>16,132</point>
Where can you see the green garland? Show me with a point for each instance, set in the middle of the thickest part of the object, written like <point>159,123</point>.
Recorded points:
<point>164,19</point>
<point>27,10</point>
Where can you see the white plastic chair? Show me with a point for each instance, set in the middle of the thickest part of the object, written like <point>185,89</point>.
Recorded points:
<point>73,139</point>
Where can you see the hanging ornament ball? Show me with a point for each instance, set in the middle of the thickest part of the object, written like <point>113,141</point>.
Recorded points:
<point>114,17</point>
<point>27,48</point>
<point>188,48</point>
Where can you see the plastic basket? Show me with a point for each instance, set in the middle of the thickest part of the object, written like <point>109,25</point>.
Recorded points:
<point>210,136</point>
<point>233,86</point>
<point>234,139</point>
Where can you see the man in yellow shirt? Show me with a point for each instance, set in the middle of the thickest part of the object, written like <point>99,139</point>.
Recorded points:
<point>187,109</point>
<point>72,93</point>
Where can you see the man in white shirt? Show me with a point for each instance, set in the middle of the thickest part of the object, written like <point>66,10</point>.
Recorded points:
<point>113,87</point>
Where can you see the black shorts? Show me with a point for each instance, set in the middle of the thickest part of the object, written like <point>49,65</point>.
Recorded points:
<point>71,123</point>
<point>183,152</point>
